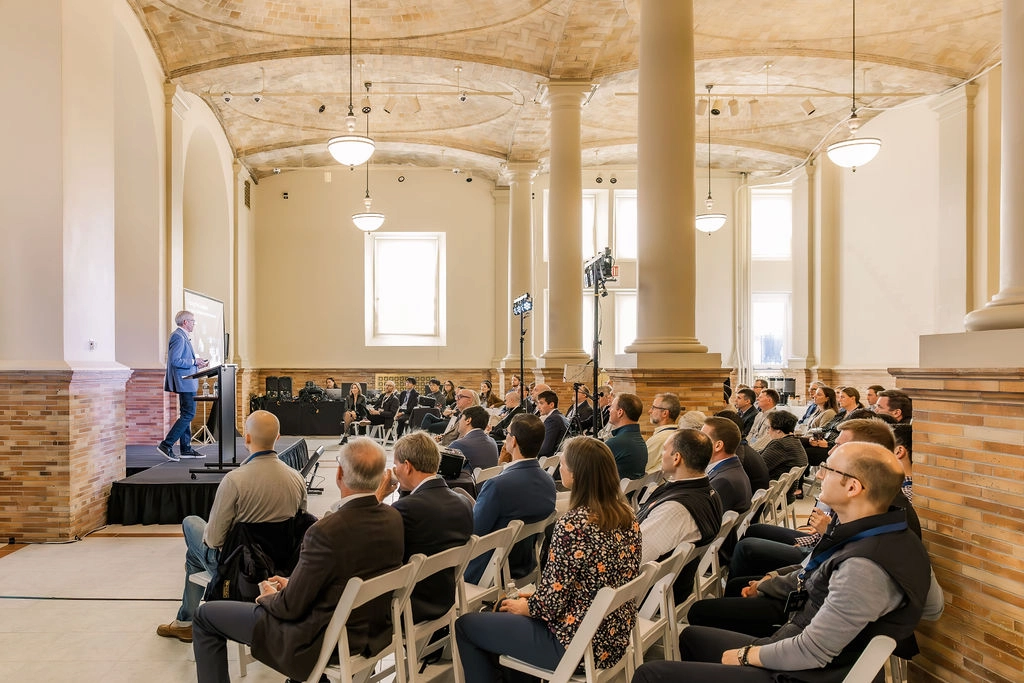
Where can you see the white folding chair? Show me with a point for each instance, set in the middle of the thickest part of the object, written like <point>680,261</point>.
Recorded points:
<point>550,463</point>
<point>481,475</point>
<point>708,581</point>
<point>871,661</point>
<point>771,514</point>
<point>244,658</point>
<point>657,613</point>
<point>399,583</point>
<point>473,595</point>
<point>748,517</point>
<point>384,436</point>
<point>417,634</point>
<point>605,602</point>
<point>537,531</point>
<point>789,513</point>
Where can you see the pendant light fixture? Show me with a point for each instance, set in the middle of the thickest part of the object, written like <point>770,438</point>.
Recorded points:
<point>350,149</point>
<point>710,222</point>
<point>367,220</point>
<point>854,151</point>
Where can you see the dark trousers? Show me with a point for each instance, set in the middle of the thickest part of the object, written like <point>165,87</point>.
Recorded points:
<point>181,430</point>
<point>758,617</point>
<point>757,556</point>
<point>213,625</point>
<point>483,636</point>
<point>434,424</point>
<point>702,650</point>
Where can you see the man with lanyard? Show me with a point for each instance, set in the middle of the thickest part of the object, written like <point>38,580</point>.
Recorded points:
<point>869,576</point>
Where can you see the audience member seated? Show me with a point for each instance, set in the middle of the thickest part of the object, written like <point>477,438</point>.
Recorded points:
<point>725,471</point>
<point>360,538</point>
<point>766,547</point>
<point>758,436</point>
<point>514,387</point>
<point>825,407</point>
<point>753,463</point>
<point>355,409</point>
<point>873,391</point>
<point>407,402</point>
<point>664,414</point>
<point>385,407</point>
<point>626,444</point>
<point>581,414</point>
<point>784,451</point>
<point>685,508</point>
<point>507,414</point>
<point>330,383</point>
<point>433,393</point>
<point>870,576</point>
<point>438,425</point>
<point>817,444</point>
<point>536,389</point>
<point>263,489</point>
<point>692,419</point>
<point>812,406</point>
<point>435,517</point>
<point>895,403</point>
<point>464,398</point>
<point>605,394</point>
<point>744,400</point>
<point>480,449</point>
<point>555,424</point>
<point>522,491</point>
<point>489,399</point>
<point>595,544</point>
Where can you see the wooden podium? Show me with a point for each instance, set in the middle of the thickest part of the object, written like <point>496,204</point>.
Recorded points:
<point>225,419</point>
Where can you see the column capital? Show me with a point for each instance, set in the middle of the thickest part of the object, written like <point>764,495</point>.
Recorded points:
<point>567,93</point>
<point>955,102</point>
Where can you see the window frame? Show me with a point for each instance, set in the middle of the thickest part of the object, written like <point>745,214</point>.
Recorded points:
<point>371,319</point>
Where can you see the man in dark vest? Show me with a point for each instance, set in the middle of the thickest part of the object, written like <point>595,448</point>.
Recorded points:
<point>683,509</point>
<point>869,576</point>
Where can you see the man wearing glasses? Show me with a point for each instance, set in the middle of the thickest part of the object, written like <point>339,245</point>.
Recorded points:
<point>870,575</point>
<point>464,398</point>
<point>663,414</point>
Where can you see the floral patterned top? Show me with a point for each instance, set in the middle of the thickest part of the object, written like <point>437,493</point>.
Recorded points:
<point>582,560</point>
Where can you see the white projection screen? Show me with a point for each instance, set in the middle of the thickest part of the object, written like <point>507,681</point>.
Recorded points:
<point>208,339</point>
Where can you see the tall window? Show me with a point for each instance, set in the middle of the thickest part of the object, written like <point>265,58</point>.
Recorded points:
<point>771,223</point>
<point>625,224</point>
<point>770,328</point>
<point>398,314</point>
<point>625,320</point>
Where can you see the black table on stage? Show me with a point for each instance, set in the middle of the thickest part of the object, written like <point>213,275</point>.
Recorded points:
<point>308,418</point>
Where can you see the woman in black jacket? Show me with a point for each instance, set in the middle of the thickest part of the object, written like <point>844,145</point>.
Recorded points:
<point>355,409</point>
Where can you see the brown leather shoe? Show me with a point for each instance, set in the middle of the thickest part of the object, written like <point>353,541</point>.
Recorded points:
<point>182,633</point>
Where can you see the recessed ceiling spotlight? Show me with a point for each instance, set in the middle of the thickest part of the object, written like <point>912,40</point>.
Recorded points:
<point>734,107</point>
<point>322,109</point>
<point>808,107</point>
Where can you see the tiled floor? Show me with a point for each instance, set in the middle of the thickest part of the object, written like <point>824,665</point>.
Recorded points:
<point>88,611</point>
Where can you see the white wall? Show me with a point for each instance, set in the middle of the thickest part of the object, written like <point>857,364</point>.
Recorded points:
<point>886,250</point>
<point>309,266</point>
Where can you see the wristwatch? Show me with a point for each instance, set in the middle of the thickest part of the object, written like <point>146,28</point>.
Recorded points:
<point>742,655</point>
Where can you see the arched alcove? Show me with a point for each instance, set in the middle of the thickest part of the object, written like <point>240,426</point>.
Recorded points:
<point>206,220</point>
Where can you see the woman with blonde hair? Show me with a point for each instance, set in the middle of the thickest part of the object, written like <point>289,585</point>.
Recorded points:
<point>593,545</point>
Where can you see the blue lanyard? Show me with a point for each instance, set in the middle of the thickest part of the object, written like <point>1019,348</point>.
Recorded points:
<point>817,560</point>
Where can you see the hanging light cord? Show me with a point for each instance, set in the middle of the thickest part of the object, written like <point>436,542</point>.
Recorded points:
<point>367,164</point>
<point>350,58</point>
<point>709,142</point>
<point>853,64</point>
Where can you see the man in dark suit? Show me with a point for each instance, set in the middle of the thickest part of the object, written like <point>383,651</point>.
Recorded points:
<point>409,399</point>
<point>286,625</point>
<point>182,361</point>
<point>744,399</point>
<point>435,517</point>
<point>555,424</point>
<point>725,470</point>
<point>480,450</point>
<point>522,491</point>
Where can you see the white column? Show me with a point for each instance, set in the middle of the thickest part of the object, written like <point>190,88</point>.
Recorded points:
<point>1006,309</point>
<point>667,281</point>
<point>565,230</point>
<point>520,260</point>
<point>501,268</point>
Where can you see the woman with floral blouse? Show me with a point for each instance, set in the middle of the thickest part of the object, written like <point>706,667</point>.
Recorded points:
<point>595,544</point>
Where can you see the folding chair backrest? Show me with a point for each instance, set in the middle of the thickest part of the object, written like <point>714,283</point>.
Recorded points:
<point>500,542</point>
<point>399,584</point>
<point>665,575</point>
<point>755,502</point>
<point>537,531</point>
<point>550,463</point>
<point>481,475</point>
<point>871,660</point>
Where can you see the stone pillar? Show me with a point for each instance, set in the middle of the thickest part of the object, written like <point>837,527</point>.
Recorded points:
<point>666,276</point>
<point>954,232</point>
<point>802,354</point>
<point>519,263</point>
<point>565,231</point>
<point>1006,309</point>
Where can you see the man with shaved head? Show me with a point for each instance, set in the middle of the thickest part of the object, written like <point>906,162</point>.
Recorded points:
<point>870,575</point>
<point>263,489</point>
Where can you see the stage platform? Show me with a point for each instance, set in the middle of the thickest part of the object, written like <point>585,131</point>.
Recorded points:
<point>158,491</point>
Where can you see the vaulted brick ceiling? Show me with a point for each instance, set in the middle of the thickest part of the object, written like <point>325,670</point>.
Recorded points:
<point>295,54</point>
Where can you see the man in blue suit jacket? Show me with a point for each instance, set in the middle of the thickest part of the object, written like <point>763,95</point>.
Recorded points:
<point>555,424</point>
<point>182,361</point>
<point>480,450</point>
<point>522,491</point>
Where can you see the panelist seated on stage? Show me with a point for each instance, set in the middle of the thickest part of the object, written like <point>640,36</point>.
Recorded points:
<point>262,489</point>
<point>439,424</point>
<point>407,401</point>
<point>355,409</point>
<point>385,407</point>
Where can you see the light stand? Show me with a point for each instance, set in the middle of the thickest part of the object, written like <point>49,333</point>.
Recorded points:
<point>596,272</point>
<point>521,307</point>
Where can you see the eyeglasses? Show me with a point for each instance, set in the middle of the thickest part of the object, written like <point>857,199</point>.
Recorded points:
<point>841,474</point>
<point>653,407</point>
<point>464,396</point>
